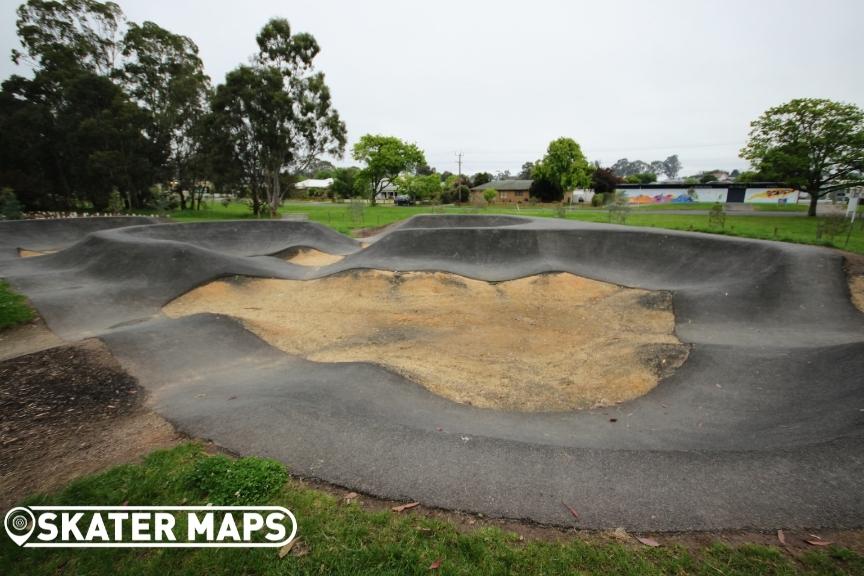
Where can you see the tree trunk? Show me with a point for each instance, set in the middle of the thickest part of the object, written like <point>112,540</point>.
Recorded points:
<point>275,194</point>
<point>813,200</point>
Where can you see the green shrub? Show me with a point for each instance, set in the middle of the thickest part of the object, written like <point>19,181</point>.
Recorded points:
<point>10,208</point>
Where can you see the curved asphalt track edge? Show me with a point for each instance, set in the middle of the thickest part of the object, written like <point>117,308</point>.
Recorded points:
<point>761,428</point>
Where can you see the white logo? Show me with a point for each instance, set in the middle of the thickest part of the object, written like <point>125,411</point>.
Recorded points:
<point>150,526</point>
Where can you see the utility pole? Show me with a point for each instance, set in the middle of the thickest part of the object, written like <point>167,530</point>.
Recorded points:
<point>459,187</point>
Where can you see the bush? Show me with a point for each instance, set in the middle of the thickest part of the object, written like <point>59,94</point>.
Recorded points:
<point>10,208</point>
<point>247,481</point>
<point>490,194</point>
<point>597,199</point>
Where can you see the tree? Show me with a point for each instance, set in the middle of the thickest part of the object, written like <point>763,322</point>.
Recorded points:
<point>527,171</point>
<point>386,157</point>
<point>276,115</point>
<point>671,166</point>
<point>74,34</point>
<point>811,143</point>
<point>419,187</point>
<point>657,167</point>
<point>503,175</point>
<point>164,74</point>
<point>604,180</point>
<point>564,165</point>
<point>481,178</point>
<point>546,190</point>
<point>490,194</point>
<point>345,182</point>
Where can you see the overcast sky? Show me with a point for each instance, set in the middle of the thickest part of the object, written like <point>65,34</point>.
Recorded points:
<point>498,80</point>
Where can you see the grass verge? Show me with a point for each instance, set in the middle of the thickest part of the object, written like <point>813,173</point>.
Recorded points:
<point>801,230</point>
<point>343,538</point>
<point>14,309</point>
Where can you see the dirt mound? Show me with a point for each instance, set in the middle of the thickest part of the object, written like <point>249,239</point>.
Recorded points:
<point>547,342</point>
<point>310,257</point>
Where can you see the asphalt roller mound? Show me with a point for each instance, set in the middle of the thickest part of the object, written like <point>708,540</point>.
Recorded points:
<point>761,427</point>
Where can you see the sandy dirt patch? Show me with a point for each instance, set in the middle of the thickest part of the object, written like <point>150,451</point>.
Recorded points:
<point>27,338</point>
<point>310,257</point>
<point>68,412</point>
<point>855,275</point>
<point>548,342</point>
<point>24,253</point>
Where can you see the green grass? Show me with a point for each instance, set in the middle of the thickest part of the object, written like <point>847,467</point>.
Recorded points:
<point>347,539</point>
<point>13,307</point>
<point>339,217</point>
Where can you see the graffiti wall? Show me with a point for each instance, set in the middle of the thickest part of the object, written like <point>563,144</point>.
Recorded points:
<point>639,196</point>
<point>771,196</point>
<point>642,196</point>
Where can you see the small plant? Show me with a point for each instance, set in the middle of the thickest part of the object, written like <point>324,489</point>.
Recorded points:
<point>246,481</point>
<point>356,210</point>
<point>10,208</point>
<point>490,194</point>
<point>717,216</point>
<point>597,199</point>
<point>619,211</point>
<point>831,226</point>
<point>115,202</point>
<point>560,210</point>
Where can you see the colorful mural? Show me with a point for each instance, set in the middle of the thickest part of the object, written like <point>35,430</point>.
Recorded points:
<point>659,195</point>
<point>771,195</point>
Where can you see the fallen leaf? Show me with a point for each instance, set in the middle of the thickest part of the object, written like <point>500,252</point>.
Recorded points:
<point>818,542</point>
<point>403,507</point>
<point>286,548</point>
<point>620,534</point>
<point>300,550</point>
<point>648,541</point>
<point>781,537</point>
<point>571,509</point>
<point>435,565</point>
<point>350,497</point>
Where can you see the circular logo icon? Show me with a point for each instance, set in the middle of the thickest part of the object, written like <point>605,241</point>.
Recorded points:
<point>20,524</point>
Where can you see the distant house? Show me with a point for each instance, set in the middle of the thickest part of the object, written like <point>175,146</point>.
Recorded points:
<point>508,190</point>
<point>313,185</point>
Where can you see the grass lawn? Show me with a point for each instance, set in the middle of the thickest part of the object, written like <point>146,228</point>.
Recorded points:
<point>344,538</point>
<point>13,307</point>
<point>340,217</point>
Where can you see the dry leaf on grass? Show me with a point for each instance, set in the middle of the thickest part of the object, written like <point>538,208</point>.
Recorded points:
<point>350,497</point>
<point>648,541</point>
<point>571,509</point>
<point>296,548</point>
<point>403,507</point>
<point>819,542</point>
<point>620,534</point>
<point>435,565</point>
<point>286,548</point>
<point>781,537</point>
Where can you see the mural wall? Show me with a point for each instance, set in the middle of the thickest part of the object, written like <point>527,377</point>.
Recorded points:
<point>672,195</point>
<point>771,196</point>
<point>642,196</point>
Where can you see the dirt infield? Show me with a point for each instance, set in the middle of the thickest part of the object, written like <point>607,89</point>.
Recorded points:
<point>542,343</point>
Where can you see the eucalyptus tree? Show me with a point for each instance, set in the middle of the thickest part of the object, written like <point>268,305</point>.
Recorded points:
<point>277,113</point>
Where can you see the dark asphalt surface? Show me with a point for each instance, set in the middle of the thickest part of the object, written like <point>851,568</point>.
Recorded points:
<point>763,426</point>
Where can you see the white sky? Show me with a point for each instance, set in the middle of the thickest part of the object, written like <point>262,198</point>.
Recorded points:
<point>499,79</point>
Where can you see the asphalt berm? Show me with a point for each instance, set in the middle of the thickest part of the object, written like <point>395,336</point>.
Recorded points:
<point>760,427</point>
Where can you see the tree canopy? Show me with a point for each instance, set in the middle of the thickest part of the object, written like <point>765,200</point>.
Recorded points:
<point>564,165</point>
<point>385,158</point>
<point>811,143</point>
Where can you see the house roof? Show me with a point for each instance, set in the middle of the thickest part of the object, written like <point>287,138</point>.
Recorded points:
<point>505,185</point>
<point>312,183</point>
